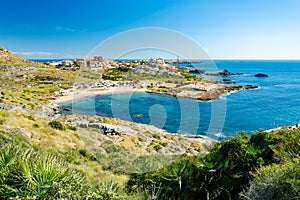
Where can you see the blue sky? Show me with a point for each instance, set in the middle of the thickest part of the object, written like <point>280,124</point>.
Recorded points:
<point>231,29</point>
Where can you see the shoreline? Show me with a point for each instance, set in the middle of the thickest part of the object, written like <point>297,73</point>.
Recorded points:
<point>289,127</point>
<point>129,89</point>
<point>96,92</point>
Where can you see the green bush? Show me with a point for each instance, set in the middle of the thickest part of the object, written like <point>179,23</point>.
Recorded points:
<point>83,152</point>
<point>275,182</point>
<point>221,174</point>
<point>72,128</point>
<point>35,125</point>
<point>56,125</point>
<point>28,174</point>
<point>157,147</point>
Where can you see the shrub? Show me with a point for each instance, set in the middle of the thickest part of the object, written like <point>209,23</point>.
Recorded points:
<point>30,117</point>
<point>157,147</point>
<point>28,174</point>
<point>83,152</point>
<point>56,125</point>
<point>109,190</point>
<point>35,126</point>
<point>275,182</point>
<point>221,174</point>
<point>164,144</point>
<point>156,136</point>
<point>72,128</point>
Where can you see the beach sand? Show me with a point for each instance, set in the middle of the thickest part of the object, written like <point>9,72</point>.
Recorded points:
<point>96,92</point>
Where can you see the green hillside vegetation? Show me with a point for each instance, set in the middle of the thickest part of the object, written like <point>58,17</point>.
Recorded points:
<point>126,74</point>
<point>30,92</point>
<point>27,172</point>
<point>102,159</point>
<point>263,166</point>
<point>234,168</point>
<point>29,84</point>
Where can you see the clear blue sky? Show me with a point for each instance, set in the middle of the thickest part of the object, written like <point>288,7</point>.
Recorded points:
<point>242,29</point>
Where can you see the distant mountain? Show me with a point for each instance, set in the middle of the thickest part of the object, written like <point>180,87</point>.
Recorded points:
<point>8,58</point>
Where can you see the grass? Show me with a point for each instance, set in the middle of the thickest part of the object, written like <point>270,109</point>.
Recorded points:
<point>23,87</point>
<point>48,89</point>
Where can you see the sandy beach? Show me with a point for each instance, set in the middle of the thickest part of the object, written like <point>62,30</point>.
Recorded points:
<point>77,94</point>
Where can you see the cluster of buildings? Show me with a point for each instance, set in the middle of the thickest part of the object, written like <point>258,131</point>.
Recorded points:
<point>150,66</point>
<point>94,63</point>
<point>157,66</point>
<point>64,64</point>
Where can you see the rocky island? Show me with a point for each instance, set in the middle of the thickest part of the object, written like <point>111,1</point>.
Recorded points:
<point>261,75</point>
<point>223,72</point>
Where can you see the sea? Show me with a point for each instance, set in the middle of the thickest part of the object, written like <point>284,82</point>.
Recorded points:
<point>276,103</point>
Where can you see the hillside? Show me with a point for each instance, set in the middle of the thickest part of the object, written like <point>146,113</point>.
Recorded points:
<point>29,85</point>
<point>261,166</point>
<point>8,58</point>
<point>264,165</point>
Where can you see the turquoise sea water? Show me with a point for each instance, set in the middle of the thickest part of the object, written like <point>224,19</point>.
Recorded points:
<point>276,103</point>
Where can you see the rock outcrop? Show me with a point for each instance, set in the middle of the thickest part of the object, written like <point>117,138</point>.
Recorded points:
<point>250,87</point>
<point>261,75</point>
<point>196,71</point>
<point>224,72</point>
<point>52,110</point>
<point>107,129</point>
<point>240,87</point>
<point>3,106</point>
<point>21,132</point>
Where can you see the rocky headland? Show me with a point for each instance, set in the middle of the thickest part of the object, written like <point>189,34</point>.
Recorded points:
<point>223,72</point>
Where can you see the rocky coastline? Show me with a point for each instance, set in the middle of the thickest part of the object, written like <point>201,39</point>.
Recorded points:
<point>223,72</point>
